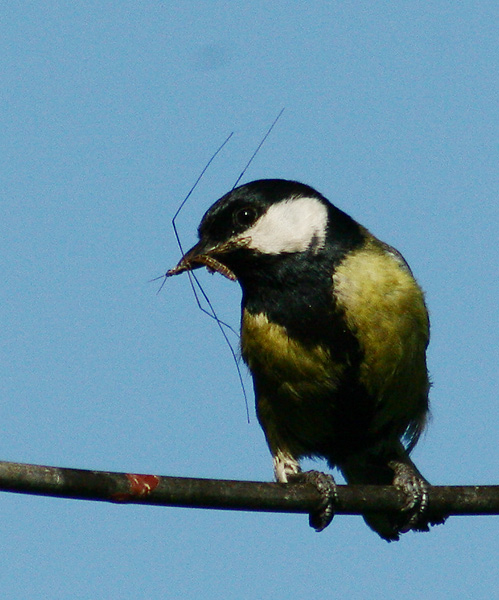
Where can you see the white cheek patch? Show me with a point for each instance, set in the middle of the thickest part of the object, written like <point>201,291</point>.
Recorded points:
<point>289,226</point>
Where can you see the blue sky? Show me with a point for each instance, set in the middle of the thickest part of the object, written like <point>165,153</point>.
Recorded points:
<point>109,112</point>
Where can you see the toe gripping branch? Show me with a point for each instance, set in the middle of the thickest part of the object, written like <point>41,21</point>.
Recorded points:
<point>414,514</point>
<point>320,518</point>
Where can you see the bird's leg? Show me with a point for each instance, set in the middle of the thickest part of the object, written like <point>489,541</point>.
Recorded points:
<point>287,470</point>
<point>285,466</point>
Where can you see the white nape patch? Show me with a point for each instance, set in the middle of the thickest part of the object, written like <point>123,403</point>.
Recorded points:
<point>292,225</point>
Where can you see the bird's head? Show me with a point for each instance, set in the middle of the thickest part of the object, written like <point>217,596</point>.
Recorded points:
<point>264,218</point>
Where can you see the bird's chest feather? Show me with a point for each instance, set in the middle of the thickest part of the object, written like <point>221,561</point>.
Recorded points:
<point>293,370</point>
<point>298,387</point>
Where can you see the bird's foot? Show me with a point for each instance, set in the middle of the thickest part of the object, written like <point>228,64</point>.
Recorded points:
<point>320,517</point>
<point>414,512</point>
<point>415,489</point>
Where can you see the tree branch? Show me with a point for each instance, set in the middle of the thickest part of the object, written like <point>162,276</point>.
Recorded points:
<point>234,495</point>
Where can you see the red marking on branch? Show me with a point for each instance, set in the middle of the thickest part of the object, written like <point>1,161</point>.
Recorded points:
<point>140,487</point>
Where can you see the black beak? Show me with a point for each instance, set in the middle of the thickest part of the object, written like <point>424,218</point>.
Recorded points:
<point>203,255</point>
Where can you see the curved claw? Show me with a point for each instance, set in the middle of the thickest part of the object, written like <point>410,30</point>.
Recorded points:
<point>320,518</point>
<point>415,488</point>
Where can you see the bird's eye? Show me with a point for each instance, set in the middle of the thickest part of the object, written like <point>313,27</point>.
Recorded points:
<point>245,216</point>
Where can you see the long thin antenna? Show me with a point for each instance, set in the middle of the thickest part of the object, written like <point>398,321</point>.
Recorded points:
<point>195,186</point>
<point>220,326</point>
<point>193,280</point>
<point>192,277</point>
<point>211,314</point>
<point>269,130</point>
<point>182,204</point>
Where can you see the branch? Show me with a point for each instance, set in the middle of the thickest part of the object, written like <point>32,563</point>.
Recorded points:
<point>234,495</point>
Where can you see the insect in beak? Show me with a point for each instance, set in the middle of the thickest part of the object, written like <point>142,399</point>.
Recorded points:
<point>202,255</point>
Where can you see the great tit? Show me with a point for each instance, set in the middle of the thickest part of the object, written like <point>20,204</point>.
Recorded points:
<point>334,330</point>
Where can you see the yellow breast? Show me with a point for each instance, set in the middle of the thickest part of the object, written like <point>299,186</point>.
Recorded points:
<point>270,352</point>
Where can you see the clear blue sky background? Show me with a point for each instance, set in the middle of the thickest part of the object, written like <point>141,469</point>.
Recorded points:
<point>109,111</point>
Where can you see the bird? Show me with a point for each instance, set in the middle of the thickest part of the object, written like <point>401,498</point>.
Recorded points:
<point>334,330</point>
